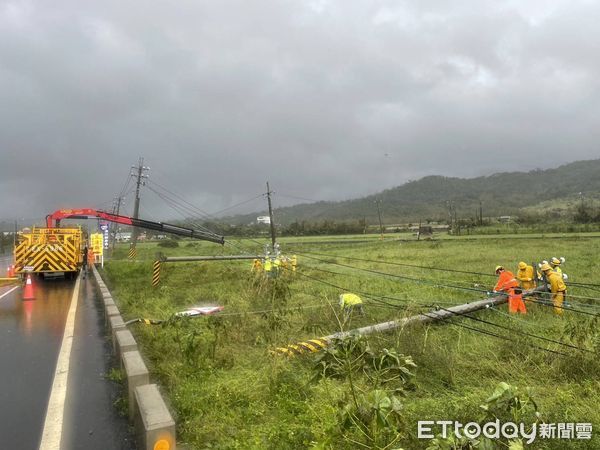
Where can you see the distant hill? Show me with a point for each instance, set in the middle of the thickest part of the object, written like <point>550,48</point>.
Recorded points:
<point>505,193</point>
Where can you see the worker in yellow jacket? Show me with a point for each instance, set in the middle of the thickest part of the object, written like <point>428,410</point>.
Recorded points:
<point>268,267</point>
<point>277,265</point>
<point>555,264</point>
<point>525,276</point>
<point>349,302</point>
<point>558,288</point>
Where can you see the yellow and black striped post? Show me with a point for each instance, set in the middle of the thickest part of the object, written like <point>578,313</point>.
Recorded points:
<point>156,273</point>
<point>299,348</point>
<point>132,253</point>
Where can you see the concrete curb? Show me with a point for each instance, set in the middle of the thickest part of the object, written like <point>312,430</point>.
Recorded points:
<point>125,343</point>
<point>148,411</point>
<point>154,418</point>
<point>137,375</point>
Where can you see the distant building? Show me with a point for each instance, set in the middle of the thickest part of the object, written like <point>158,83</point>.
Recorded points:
<point>263,219</point>
<point>123,237</point>
<point>504,219</point>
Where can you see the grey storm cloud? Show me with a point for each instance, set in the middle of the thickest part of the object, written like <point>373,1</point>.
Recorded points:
<point>326,99</point>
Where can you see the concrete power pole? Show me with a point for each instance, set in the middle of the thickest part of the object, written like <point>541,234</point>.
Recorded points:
<point>140,175</point>
<point>116,209</point>
<point>377,202</point>
<point>271,221</point>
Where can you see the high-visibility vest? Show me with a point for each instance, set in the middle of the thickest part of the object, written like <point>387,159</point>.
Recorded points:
<point>349,300</point>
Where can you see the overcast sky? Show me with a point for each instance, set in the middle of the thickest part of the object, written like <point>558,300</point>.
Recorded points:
<point>326,99</point>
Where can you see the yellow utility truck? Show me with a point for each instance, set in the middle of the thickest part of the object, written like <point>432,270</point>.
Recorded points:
<point>49,250</point>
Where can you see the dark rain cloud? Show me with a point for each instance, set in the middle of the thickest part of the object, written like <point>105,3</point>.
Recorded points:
<point>326,99</point>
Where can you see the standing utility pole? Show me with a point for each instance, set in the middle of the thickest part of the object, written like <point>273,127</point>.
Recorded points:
<point>450,205</point>
<point>377,202</point>
<point>140,175</point>
<point>271,221</point>
<point>116,208</point>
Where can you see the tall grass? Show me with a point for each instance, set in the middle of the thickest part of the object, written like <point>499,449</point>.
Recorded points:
<point>229,391</point>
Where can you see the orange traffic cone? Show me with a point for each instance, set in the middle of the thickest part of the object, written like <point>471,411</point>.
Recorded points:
<point>11,271</point>
<point>28,291</point>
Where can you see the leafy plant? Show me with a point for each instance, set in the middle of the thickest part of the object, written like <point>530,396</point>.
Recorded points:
<point>388,368</point>
<point>376,415</point>
<point>508,399</point>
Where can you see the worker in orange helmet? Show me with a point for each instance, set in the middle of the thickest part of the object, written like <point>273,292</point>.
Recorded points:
<point>508,284</point>
<point>557,287</point>
<point>525,276</point>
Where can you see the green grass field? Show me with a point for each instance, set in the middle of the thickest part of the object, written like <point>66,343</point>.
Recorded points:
<point>229,390</point>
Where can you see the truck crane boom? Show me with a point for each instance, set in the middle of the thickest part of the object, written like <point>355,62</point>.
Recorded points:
<point>53,221</point>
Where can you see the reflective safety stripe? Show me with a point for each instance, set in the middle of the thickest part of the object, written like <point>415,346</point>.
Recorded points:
<point>312,346</point>
<point>156,273</point>
<point>132,253</point>
<point>319,342</point>
<point>309,347</point>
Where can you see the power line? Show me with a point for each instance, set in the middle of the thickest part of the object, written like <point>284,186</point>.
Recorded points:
<point>190,206</point>
<point>236,205</point>
<point>371,296</point>
<point>505,338</point>
<point>417,280</point>
<point>181,209</point>
<point>403,264</point>
<point>514,330</point>
<point>429,301</point>
<point>126,184</point>
<point>300,198</point>
<point>393,275</point>
<point>579,311</point>
<point>438,284</point>
<point>202,212</point>
<point>306,254</point>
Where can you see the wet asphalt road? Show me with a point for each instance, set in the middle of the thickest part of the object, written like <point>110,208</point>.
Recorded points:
<point>31,334</point>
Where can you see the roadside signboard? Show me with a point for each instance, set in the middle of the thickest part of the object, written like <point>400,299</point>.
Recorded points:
<point>97,242</point>
<point>104,227</point>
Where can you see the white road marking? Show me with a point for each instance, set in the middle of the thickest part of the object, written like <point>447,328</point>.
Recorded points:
<point>8,292</point>
<point>53,425</point>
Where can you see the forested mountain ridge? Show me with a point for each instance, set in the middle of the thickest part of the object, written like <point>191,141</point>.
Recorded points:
<point>433,197</point>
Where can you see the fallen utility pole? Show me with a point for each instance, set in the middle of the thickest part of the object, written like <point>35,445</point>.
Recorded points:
<point>315,345</point>
<point>420,318</point>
